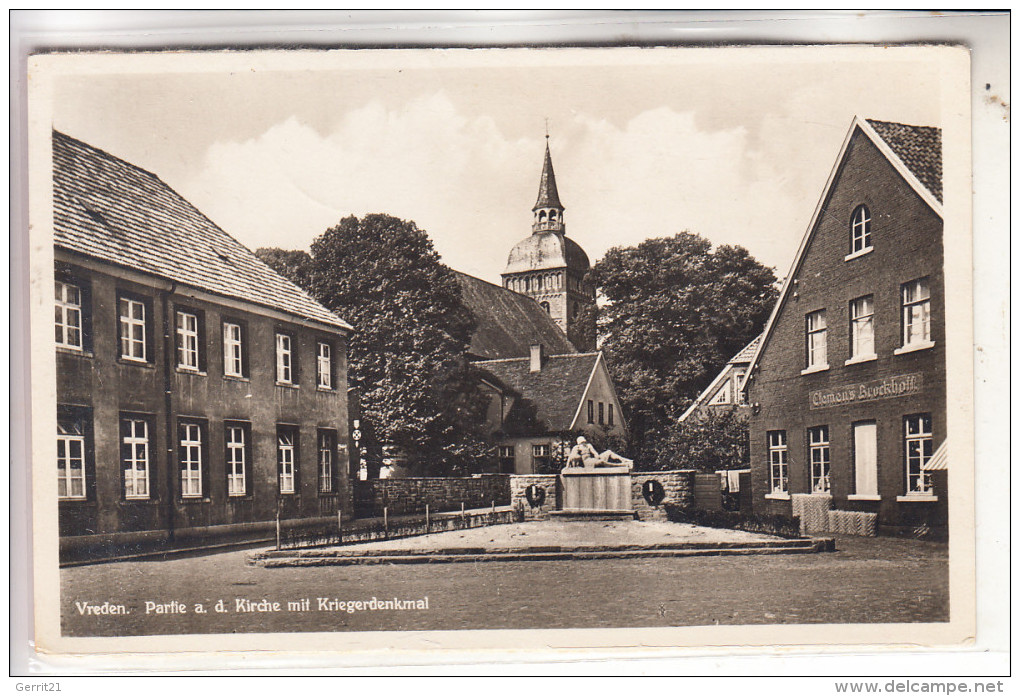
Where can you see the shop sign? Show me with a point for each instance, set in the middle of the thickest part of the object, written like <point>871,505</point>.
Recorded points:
<point>874,390</point>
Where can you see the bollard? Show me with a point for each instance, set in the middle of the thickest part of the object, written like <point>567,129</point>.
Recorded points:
<point>426,518</point>
<point>277,527</point>
<point>386,522</point>
<point>339,526</point>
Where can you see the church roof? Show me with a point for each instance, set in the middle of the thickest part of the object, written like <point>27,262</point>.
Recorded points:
<point>550,398</point>
<point>508,322</point>
<point>548,196</point>
<point>546,250</point>
<point>113,211</point>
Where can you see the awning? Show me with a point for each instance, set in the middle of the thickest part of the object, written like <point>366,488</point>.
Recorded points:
<point>938,460</point>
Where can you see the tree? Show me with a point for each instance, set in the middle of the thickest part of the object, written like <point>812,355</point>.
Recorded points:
<point>406,355</point>
<point>294,265</point>
<point>710,441</point>
<point>673,312</point>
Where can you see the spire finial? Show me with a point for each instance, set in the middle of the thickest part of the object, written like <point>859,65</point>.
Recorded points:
<point>547,128</point>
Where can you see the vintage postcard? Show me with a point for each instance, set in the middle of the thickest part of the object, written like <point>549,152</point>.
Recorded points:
<point>350,351</point>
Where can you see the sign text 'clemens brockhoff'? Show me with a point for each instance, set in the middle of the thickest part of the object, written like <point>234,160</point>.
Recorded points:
<point>876,389</point>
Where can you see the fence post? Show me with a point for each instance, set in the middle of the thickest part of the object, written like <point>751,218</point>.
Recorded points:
<point>386,521</point>
<point>426,518</point>
<point>339,526</point>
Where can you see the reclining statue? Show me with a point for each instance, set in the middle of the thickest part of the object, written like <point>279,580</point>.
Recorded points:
<point>584,455</point>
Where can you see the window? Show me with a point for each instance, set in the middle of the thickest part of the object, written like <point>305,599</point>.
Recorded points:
<point>540,455</point>
<point>191,458</point>
<point>917,436</point>
<point>233,350</point>
<point>611,420</point>
<point>327,453</point>
<point>602,413</point>
<point>862,327</point>
<point>236,459</point>
<point>71,458</point>
<point>134,433</point>
<point>507,458</point>
<point>591,411</point>
<point>132,330</point>
<point>817,356</point>
<point>68,321</point>
<point>916,313</point>
<point>284,359</point>
<point>779,482</point>
<point>818,455</point>
<point>860,230</point>
<point>324,366</point>
<point>187,341</point>
<point>285,459</point>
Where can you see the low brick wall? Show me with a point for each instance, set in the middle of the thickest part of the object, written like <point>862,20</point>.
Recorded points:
<point>519,498</point>
<point>678,486</point>
<point>409,496</point>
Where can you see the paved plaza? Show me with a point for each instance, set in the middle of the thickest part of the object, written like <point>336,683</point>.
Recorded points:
<point>866,580</point>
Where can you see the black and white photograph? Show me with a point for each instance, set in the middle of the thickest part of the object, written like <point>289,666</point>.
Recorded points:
<point>370,345</point>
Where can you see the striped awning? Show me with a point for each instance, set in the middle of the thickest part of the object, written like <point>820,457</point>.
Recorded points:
<point>938,460</point>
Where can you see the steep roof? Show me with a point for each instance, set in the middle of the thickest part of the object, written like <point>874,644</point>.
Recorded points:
<point>747,352</point>
<point>550,397</point>
<point>508,323</point>
<point>918,144</point>
<point>113,211</point>
<point>548,196</point>
<point>919,148</point>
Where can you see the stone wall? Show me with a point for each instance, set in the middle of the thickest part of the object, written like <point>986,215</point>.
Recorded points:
<point>549,483</point>
<point>409,496</point>
<point>677,485</point>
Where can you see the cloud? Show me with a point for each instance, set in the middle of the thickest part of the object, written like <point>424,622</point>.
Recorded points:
<point>471,187</point>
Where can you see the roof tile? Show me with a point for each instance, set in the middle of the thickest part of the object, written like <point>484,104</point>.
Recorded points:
<point>919,148</point>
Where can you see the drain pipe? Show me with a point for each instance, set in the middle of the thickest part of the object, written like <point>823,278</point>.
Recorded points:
<point>168,355</point>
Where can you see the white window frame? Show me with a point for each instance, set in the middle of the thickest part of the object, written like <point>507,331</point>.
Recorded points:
<point>237,461</point>
<point>285,458</point>
<point>779,462</point>
<point>816,340</point>
<point>860,230</point>
<point>190,444</point>
<point>326,451</point>
<point>136,466</point>
<point>862,328</point>
<point>187,336</point>
<point>324,365</point>
<point>233,355</point>
<point>68,316</point>
<point>540,452</point>
<point>70,448</point>
<point>131,346</point>
<point>284,358</point>
<point>920,435</point>
<point>819,459</point>
<point>916,312</point>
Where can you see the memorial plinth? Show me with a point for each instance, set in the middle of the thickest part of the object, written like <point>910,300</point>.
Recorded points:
<point>596,493</point>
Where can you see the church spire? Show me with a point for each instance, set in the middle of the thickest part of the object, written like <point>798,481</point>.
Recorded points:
<point>548,209</point>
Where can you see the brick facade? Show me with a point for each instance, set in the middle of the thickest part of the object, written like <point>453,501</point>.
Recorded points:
<point>906,235</point>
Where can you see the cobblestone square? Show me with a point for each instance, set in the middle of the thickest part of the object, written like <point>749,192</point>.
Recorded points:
<point>867,580</point>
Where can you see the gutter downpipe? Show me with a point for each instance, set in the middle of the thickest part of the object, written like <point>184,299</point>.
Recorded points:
<point>168,352</point>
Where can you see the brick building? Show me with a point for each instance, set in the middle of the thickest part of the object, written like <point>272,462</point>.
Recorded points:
<point>725,392</point>
<point>198,391</point>
<point>848,385</point>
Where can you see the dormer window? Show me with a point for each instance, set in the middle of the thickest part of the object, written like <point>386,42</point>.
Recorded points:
<point>860,230</point>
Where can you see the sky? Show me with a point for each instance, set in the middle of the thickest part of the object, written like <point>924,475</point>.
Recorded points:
<point>732,144</point>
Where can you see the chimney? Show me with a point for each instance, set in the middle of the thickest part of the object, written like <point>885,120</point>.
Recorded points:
<point>537,357</point>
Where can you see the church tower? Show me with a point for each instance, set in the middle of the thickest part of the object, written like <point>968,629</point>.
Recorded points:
<point>550,267</point>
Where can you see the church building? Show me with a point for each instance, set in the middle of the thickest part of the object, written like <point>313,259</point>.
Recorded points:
<point>550,267</point>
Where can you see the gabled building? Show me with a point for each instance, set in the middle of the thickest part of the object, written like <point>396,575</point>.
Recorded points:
<point>198,391</point>
<point>848,384</point>
<point>538,401</point>
<point>725,391</point>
